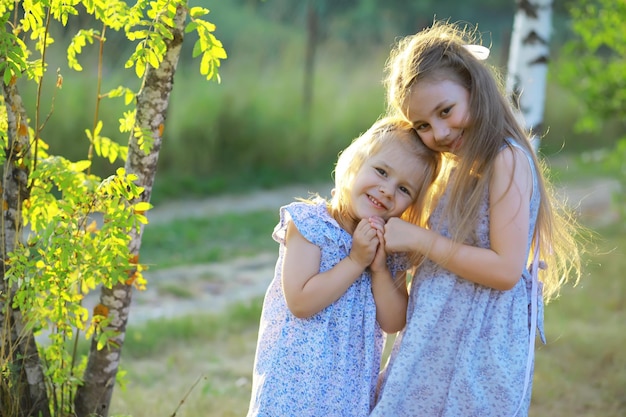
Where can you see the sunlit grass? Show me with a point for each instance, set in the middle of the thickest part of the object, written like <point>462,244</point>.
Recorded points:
<point>582,369</point>
<point>164,359</point>
<point>210,239</point>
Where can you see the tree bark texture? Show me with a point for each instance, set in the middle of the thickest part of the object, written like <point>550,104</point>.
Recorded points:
<point>28,396</point>
<point>94,396</point>
<point>529,54</point>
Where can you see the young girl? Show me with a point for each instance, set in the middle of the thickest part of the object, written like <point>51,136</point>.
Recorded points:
<point>335,290</point>
<point>474,307</point>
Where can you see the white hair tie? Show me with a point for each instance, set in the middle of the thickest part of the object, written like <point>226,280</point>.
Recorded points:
<point>480,52</point>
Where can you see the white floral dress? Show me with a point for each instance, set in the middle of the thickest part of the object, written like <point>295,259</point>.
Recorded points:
<point>326,365</point>
<point>465,351</point>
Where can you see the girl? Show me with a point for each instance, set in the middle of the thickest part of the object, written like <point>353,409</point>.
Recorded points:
<point>467,348</point>
<point>335,290</point>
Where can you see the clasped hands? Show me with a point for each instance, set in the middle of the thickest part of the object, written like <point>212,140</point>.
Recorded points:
<point>373,239</point>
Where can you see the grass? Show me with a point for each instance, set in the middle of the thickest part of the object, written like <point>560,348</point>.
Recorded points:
<point>206,361</point>
<point>212,239</point>
<point>165,359</point>
<point>581,370</point>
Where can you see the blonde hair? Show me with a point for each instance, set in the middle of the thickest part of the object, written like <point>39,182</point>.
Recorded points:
<point>437,54</point>
<point>385,131</point>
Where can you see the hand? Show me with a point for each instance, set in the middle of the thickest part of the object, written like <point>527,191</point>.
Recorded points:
<point>379,263</point>
<point>364,244</point>
<point>397,236</point>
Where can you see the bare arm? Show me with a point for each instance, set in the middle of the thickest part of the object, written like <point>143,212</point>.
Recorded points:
<point>307,291</point>
<point>391,296</point>
<point>499,266</point>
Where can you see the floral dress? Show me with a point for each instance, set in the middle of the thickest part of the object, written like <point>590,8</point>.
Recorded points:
<point>467,349</point>
<point>326,365</point>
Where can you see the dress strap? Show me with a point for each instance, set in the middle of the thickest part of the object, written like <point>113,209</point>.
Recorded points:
<point>534,294</point>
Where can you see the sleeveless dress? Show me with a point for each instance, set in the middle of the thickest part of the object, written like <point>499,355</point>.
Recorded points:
<point>326,365</point>
<point>465,351</point>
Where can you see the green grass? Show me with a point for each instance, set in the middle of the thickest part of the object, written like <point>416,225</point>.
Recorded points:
<point>212,239</point>
<point>156,338</point>
<point>581,370</point>
<point>165,359</point>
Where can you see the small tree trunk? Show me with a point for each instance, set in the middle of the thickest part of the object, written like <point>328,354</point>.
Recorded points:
<point>28,395</point>
<point>528,62</point>
<point>93,398</point>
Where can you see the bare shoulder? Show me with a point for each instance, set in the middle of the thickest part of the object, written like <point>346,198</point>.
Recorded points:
<point>512,171</point>
<point>513,161</point>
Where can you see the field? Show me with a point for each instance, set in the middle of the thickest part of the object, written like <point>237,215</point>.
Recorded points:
<point>200,365</point>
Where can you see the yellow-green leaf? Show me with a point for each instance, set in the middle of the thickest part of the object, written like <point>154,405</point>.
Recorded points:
<point>142,206</point>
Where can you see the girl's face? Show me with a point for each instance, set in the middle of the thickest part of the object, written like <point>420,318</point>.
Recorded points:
<point>439,112</point>
<point>387,183</point>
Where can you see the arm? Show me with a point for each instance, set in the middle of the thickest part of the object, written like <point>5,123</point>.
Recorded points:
<point>308,291</point>
<point>391,296</point>
<point>499,266</point>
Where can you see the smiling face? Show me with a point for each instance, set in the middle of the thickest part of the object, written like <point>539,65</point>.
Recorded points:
<point>387,183</point>
<point>439,112</point>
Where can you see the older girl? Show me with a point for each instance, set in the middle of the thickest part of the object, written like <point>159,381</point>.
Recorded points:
<point>474,307</point>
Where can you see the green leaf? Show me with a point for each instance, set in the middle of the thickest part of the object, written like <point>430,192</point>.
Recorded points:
<point>80,166</point>
<point>197,49</point>
<point>140,68</point>
<point>142,206</point>
<point>196,12</point>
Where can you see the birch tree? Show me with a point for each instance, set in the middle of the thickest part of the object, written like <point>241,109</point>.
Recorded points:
<point>47,273</point>
<point>527,67</point>
<point>18,343</point>
<point>94,395</point>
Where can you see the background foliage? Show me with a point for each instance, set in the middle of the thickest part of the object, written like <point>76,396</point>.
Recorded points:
<point>250,130</point>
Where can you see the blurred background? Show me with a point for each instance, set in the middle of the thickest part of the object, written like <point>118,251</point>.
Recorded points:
<point>301,80</point>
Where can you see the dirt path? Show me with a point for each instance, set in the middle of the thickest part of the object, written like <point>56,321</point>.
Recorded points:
<point>212,287</point>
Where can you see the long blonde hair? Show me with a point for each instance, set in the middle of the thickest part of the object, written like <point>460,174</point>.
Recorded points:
<point>439,53</point>
<point>383,132</point>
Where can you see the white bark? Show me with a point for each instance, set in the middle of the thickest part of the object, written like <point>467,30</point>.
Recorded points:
<point>528,62</point>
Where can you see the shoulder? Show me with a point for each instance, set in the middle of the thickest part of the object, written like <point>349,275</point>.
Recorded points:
<point>310,218</point>
<point>513,159</point>
<point>305,209</point>
<point>512,166</point>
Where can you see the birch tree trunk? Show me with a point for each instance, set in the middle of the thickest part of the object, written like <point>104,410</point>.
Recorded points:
<point>18,345</point>
<point>94,396</point>
<point>529,54</point>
